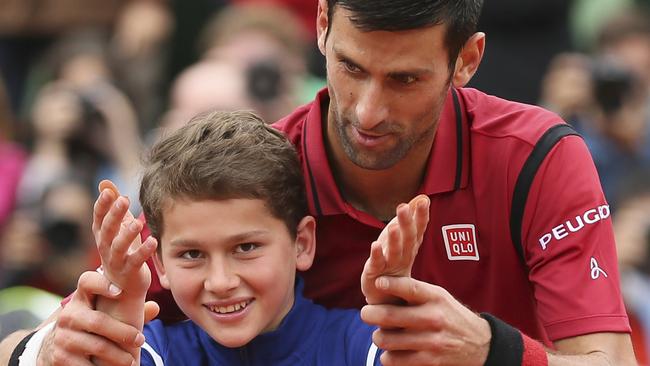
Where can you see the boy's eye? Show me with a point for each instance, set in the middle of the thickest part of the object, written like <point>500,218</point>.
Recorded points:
<point>191,254</point>
<point>246,247</point>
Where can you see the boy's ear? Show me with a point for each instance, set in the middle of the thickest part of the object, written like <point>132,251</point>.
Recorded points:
<point>305,243</point>
<point>469,59</point>
<point>160,269</point>
<point>322,25</point>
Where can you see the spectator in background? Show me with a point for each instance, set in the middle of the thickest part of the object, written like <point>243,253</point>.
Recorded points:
<point>266,44</point>
<point>28,27</point>
<point>81,121</point>
<point>12,160</point>
<point>208,84</point>
<point>138,49</point>
<point>632,230</point>
<point>606,97</point>
<point>49,246</point>
<point>523,36</point>
<point>42,252</point>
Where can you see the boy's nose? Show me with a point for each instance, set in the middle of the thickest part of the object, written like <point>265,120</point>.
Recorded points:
<point>221,278</point>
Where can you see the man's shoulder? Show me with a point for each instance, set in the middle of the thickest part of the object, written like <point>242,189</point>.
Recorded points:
<point>494,117</point>
<point>292,124</point>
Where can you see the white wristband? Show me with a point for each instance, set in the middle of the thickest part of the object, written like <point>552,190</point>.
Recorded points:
<point>33,347</point>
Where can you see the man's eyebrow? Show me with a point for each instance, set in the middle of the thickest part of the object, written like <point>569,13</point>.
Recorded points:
<point>339,54</point>
<point>417,72</point>
<point>408,73</point>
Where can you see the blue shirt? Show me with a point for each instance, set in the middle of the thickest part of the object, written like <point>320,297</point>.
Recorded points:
<point>309,335</point>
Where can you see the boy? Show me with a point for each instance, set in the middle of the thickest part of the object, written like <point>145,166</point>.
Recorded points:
<point>224,197</point>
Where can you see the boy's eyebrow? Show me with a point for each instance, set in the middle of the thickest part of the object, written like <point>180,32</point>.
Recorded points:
<point>237,238</point>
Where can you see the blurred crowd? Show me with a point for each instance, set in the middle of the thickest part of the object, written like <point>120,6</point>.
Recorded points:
<point>87,85</point>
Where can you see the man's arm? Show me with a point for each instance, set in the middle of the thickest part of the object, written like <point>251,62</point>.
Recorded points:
<point>79,331</point>
<point>435,329</point>
<point>10,342</point>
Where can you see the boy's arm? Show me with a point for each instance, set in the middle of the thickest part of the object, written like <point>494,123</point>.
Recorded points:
<point>123,258</point>
<point>393,253</point>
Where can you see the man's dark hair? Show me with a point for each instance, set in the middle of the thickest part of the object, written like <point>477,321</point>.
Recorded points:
<point>460,17</point>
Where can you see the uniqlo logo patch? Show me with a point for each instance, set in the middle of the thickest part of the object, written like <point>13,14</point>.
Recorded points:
<point>460,242</point>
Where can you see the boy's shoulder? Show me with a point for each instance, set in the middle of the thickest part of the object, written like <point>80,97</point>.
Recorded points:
<point>168,342</point>
<point>335,336</point>
<point>309,335</point>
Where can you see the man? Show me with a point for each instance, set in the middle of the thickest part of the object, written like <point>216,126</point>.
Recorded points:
<point>395,122</point>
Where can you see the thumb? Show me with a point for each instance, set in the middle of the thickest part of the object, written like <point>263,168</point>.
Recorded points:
<point>412,291</point>
<point>151,310</point>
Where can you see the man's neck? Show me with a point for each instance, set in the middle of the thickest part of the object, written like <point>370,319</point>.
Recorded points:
<point>378,192</point>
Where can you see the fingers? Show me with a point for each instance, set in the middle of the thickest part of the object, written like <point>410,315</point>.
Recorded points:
<point>110,225</point>
<point>100,209</point>
<point>415,317</point>
<point>393,248</point>
<point>92,284</point>
<point>408,231</point>
<point>107,184</point>
<point>122,242</point>
<point>74,348</point>
<point>422,216</point>
<point>376,264</point>
<point>82,321</point>
<point>411,290</point>
<point>108,192</point>
<point>402,340</point>
<point>151,310</point>
<point>137,258</point>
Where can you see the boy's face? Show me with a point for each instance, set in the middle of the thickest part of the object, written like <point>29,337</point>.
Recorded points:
<point>230,265</point>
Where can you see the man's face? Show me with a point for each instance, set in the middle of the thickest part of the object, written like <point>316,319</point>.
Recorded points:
<point>386,88</point>
<point>230,265</point>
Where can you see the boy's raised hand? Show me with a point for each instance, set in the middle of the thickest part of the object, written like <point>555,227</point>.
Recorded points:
<point>117,235</point>
<point>393,253</point>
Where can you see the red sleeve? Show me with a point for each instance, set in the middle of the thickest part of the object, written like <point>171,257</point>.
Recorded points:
<point>570,246</point>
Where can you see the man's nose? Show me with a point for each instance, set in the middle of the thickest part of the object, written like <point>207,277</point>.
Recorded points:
<point>371,108</point>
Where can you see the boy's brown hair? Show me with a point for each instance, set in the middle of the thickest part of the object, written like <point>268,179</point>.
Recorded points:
<point>224,155</point>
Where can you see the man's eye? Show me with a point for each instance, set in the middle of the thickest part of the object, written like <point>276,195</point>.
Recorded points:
<point>405,79</point>
<point>191,254</point>
<point>352,68</point>
<point>246,247</point>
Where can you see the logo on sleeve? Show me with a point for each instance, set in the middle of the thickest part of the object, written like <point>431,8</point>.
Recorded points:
<point>460,242</point>
<point>565,229</point>
<point>596,271</point>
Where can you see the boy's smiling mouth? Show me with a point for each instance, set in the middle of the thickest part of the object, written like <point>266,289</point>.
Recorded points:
<point>228,309</point>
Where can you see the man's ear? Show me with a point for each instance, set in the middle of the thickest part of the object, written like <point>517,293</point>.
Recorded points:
<point>322,25</point>
<point>469,59</point>
<point>305,243</point>
<point>160,269</point>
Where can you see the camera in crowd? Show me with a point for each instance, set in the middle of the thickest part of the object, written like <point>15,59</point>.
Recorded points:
<point>613,85</point>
